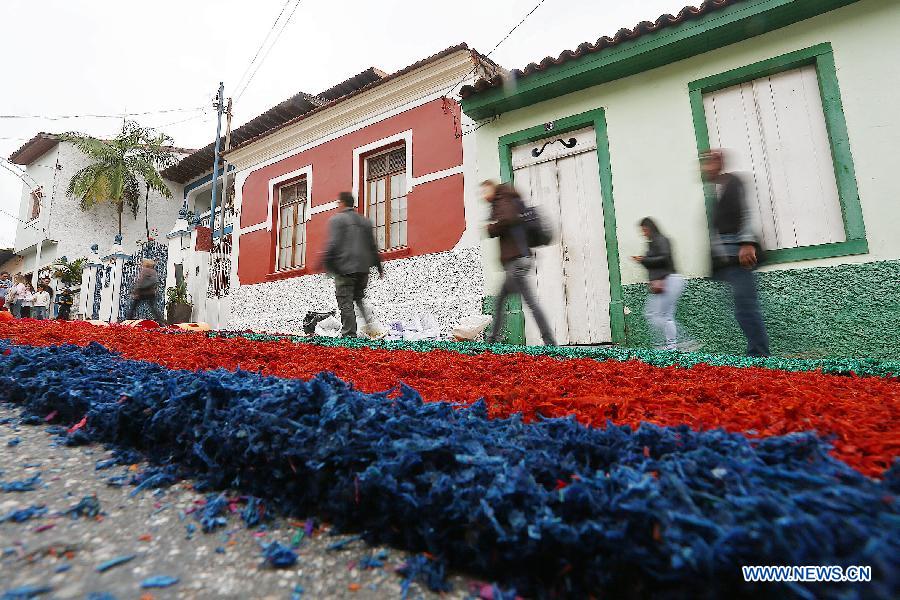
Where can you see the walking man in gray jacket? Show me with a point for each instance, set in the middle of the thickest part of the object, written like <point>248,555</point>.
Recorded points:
<point>350,254</point>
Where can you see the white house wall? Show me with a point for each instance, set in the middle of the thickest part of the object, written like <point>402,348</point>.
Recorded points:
<point>448,285</point>
<point>76,230</point>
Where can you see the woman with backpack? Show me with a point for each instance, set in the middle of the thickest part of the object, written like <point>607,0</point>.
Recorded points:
<point>508,226</point>
<point>665,287</point>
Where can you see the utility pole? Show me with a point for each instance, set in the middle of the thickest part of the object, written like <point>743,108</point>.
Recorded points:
<point>220,106</point>
<point>225,168</point>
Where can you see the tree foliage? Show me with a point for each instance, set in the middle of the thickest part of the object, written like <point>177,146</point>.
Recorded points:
<point>119,166</point>
<point>69,272</point>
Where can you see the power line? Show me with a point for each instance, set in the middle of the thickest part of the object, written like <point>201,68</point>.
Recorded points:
<point>284,25</point>
<point>262,45</point>
<point>506,37</point>
<point>99,116</point>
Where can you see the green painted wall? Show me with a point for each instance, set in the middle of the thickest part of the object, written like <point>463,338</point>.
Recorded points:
<point>845,310</point>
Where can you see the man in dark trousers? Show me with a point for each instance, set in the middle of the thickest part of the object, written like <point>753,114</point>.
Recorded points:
<point>515,256</point>
<point>735,249</point>
<point>350,254</point>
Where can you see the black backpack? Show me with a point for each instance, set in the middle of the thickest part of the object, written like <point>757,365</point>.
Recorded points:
<point>536,231</point>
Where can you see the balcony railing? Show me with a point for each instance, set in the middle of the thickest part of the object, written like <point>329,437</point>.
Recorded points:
<point>229,219</point>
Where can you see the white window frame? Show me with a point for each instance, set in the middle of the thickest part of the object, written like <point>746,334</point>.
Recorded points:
<point>274,218</point>
<point>358,153</point>
<point>375,154</point>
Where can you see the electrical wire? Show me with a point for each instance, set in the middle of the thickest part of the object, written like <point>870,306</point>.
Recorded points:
<point>20,174</point>
<point>506,37</point>
<point>99,116</point>
<point>263,44</point>
<point>284,25</point>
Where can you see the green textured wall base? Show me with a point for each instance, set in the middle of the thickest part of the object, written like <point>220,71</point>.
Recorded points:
<point>846,310</point>
<point>514,326</point>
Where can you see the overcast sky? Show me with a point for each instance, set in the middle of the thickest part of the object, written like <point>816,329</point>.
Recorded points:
<point>65,57</point>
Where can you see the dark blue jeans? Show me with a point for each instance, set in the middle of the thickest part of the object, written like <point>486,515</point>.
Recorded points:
<point>746,307</point>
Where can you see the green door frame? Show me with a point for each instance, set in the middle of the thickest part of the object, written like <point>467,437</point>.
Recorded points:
<point>597,119</point>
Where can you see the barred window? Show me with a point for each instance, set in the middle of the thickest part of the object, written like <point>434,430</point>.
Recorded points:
<point>385,197</point>
<point>292,202</point>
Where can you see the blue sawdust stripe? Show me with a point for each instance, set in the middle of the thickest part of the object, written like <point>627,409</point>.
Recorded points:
<point>551,508</point>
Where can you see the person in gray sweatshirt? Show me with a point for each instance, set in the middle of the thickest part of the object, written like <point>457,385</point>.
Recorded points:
<point>350,254</point>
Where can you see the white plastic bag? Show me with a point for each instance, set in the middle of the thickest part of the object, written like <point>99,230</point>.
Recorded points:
<point>431,330</point>
<point>471,327</point>
<point>395,331</point>
<point>412,330</point>
<point>330,327</point>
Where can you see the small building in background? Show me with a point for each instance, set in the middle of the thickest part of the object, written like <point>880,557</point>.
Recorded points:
<point>801,94</point>
<point>52,224</point>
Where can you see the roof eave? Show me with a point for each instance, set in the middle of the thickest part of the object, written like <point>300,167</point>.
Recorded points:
<point>727,26</point>
<point>34,148</point>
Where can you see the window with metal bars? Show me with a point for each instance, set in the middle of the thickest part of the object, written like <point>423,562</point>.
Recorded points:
<point>385,197</point>
<point>292,203</point>
<point>36,196</point>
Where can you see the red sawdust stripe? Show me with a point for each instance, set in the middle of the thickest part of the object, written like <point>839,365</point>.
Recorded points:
<point>860,413</point>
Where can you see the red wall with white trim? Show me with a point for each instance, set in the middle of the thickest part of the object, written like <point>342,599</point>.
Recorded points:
<point>436,216</point>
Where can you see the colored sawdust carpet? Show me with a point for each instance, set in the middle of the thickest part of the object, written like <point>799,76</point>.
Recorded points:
<point>552,508</point>
<point>859,415</point>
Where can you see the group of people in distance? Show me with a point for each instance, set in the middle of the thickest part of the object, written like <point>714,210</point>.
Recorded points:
<point>23,301</point>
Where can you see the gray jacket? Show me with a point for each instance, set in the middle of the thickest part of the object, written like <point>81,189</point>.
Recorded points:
<point>351,244</point>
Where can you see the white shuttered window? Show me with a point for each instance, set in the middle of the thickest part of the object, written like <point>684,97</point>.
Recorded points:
<point>773,131</point>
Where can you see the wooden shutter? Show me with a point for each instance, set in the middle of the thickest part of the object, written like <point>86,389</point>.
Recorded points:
<point>773,131</point>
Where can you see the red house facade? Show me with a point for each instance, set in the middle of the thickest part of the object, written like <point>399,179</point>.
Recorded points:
<point>397,145</point>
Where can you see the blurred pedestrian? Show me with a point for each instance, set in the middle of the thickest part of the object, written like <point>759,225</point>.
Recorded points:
<point>350,254</point>
<point>736,250</point>
<point>665,286</point>
<point>145,291</point>
<point>515,255</point>
<point>41,302</point>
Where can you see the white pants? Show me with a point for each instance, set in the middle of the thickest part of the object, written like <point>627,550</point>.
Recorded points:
<point>660,310</point>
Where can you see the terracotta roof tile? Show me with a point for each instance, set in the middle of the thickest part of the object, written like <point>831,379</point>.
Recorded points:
<point>623,35</point>
<point>34,148</point>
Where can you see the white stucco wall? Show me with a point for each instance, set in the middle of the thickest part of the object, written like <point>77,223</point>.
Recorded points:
<point>76,230</point>
<point>653,145</point>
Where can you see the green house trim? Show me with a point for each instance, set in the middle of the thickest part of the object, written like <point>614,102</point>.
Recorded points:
<point>596,119</point>
<point>736,23</point>
<point>822,56</point>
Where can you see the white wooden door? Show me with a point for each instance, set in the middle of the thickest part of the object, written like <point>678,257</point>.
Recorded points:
<point>571,275</point>
<point>773,131</point>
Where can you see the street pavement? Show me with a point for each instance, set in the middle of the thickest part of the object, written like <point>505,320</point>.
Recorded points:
<point>63,553</point>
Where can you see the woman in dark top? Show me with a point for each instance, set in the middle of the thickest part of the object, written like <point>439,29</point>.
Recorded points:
<point>666,286</point>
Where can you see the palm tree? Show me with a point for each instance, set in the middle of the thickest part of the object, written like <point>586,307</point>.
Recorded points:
<point>119,165</point>
<point>69,272</point>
